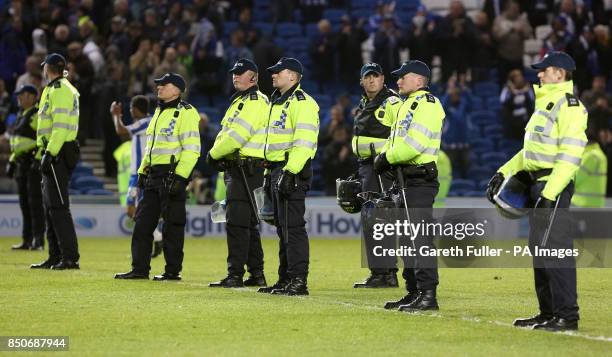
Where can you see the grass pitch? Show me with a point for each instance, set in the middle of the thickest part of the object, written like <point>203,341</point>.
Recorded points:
<point>103,316</point>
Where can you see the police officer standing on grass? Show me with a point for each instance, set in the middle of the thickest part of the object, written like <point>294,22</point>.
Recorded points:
<point>58,124</point>
<point>173,148</point>
<point>373,120</point>
<point>290,145</point>
<point>25,168</point>
<point>411,153</point>
<point>238,150</point>
<point>552,151</point>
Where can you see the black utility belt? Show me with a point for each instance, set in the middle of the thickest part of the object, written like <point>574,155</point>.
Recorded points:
<point>273,164</point>
<point>248,162</point>
<point>538,174</point>
<point>365,160</point>
<point>428,170</point>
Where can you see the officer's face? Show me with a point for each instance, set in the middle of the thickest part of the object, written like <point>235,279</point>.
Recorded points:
<point>167,92</point>
<point>373,82</point>
<point>282,79</point>
<point>244,81</point>
<point>26,99</point>
<point>551,75</point>
<point>409,83</point>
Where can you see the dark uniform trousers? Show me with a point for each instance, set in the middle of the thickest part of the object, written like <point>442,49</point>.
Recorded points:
<point>28,178</point>
<point>60,227</point>
<point>369,182</point>
<point>555,279</point>
<point>420,272</point>
<point>243,237</point>
<point>294,254</point>
<point>156,202</point>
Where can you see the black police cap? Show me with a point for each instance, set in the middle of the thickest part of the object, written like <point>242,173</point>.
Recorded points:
<point>370,67</point>
<point>54,59</point>
<point>174,78</point>
<point>413,66</point>
<point>556,59</point>
<point>287,63</point>
<point>243,65</point>
<point>26,88</point>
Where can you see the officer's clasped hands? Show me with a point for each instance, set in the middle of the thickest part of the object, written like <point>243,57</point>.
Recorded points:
<point>46,162</point>
<point>381,164</point>
<point>178,185</point>
<point>286,183</point>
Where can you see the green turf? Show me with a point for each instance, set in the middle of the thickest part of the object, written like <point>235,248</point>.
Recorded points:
<point>104,316</point>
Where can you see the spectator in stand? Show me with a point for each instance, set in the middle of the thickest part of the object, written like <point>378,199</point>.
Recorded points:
<point>457,37</point>
<point>13,51</point>
<point>83,80</point>
<point>87,32</point>
<point>582,49</point>
<point>601,114</point>
<point>510,30</point>
<point>386,45</point>
<point>266,54</point>
<point>420,36</point>
<point>209,74</point>
<point>151,28</point>
<point>455,130</point>
<point>61,39</point>
<point>598,90</point>
<point>517,100</point>
<point>5,106</point>
<point>184,57</point>
<point>336,119</point>
<point>338,162</point>
<point>205,37</point>
<point>322,52</point>
<point>246,25</point>
<point>604,52</point>
<point>142,65</point>
<point>171,34</point>
<point>558,39</point>
<point>484,53</point>
<point>119,37</point>
<point>236,50</point>
<point>122,8</point>
<point>170,64</point>
<point>349,43</point>
<point>282,10</point>
<point>312,10</point>
<point>135,35</point>
<point>32,67</point>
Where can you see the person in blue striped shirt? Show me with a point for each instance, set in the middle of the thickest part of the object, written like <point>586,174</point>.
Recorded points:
<point>139,110</point>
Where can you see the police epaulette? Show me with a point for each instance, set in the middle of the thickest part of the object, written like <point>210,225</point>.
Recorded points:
<point>57,84</point>
<point>253,96</point>
<point>186,105</point>
<point>430,97</point>
<point>300,95</point>
<point>572,101</point>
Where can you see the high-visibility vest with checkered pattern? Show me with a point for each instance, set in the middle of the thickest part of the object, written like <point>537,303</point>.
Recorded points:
<point>293,127</point>
<point>416,133</point>
<point>173,131</point>
<point>591,178</point>
<point>58,115</point>
<point>23,139</point>
<point>554,138</point>
<point>243,127</point>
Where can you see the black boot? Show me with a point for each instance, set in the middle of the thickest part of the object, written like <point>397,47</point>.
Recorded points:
<point>297,286</point>
<point>557,324</point>
<point>426,300</point>
<point>131,275</point>
<point>231,281</point>
<point>279,285</point>
<point>66,265</point>
<point>373,281</point>
<point>23,246</point>
<point>37,244</point>
<point>256,280</point>
<point>157,249</point>
<point>47,264</point>
<point>394,305</point>
<point>531,321</point>
<point>167,276</point>
<point>392,279</point>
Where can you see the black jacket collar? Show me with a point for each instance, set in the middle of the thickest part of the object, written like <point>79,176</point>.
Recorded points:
<point>170,104</point>
<point>250,90</point>
<point>277,98</point>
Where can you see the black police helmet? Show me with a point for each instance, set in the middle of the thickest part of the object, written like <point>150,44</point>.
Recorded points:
<point>346,194</point>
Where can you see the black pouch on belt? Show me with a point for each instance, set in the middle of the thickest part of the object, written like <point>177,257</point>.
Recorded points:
<point>72,153</point>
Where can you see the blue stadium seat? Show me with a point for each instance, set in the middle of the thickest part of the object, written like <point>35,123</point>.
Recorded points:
<point>361,14</point>
<point>486,89</point>
<point>214,114</point>
<point>88,181</point>
<point>282,43</point>
<point>363,4</point>
<point>82,170</point>
<point>300,44</point>
<point>265,27</point>
<point>311,30</point>
<point>288,30</point>
<point>480,173</point>
<point>73,192</point>
<point>483,116</point>
<point>493,131</point>
<point>229,27</point>
<point>474,193</point>
<point>462,185</point>
<point>482,184</point>
<point>309,86</point>
<point>477,103</point>
<point>456,193</point>
<point>99,192</point>
<point>334,15</point>
<point>261,14</point>
<point>484,143</point>
<point>493,103</point>
<point>323,100</point>
<point>493,156</point>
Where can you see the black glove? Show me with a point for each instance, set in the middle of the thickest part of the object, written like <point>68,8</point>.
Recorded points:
<point>142,181</point>
<point>493,185</point>
<point>266,182</point>
<point>177,186</point>
<point>46,162</point>
<point>543,210</point>
<point>217,165</point>
<point>286,183</point>
<point>381,164</point>
<point>10,169</point>
<point>35,165</point>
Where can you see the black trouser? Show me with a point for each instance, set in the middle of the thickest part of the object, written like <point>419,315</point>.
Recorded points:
<point>60,227</point>
<point>369,182</point>
<point>294,254</point>
<point>420,273</point>
<point>30,199</point>
<point>243,238</point>
<point>555,279</point>
<point>155,203</point>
